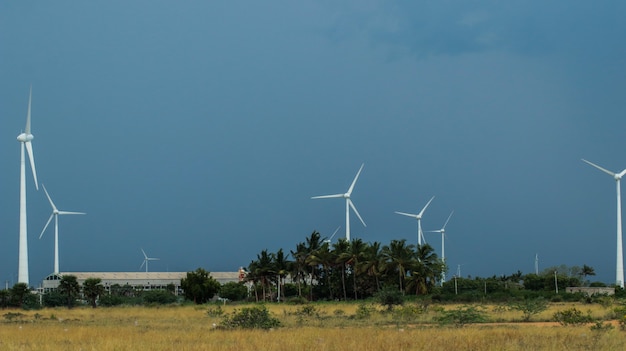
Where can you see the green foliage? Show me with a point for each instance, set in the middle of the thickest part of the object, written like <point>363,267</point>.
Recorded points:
<point>13,315</point>
<point>68,286</point>
<point>215,311</point>
<point>234,291</point>
<point>92,288</point>
<point>19,295</point>
<point>462,315</point>
<point>529,307</point>
<point>54,299</point>
<point>572,316</point>
<point>407,312</point>
<point>199,286</point>
<point>111,300</point>
<point>389,296</point>
<point>250,318</point>
<point>600,326</point>
<point>158,297</point>
<point>308,310</point>
<point>363,311</point>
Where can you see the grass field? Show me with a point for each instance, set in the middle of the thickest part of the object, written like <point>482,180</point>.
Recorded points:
<point>325,326</point>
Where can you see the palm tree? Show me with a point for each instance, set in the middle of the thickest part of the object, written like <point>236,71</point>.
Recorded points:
<point>313,243</point>
<point>340,249</point>
<point>587,271</point>
<point>326,258</point>
<point>372,262</point>
<point>426,270</point>
<point>352,257</point>
<point>68,286</point>
<point>398,258</point>
<point>281,266</point>
<point>299,266</point>
<point>92,289</point>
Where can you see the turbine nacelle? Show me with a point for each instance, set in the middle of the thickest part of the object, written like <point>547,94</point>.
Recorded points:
<point>25,138</point>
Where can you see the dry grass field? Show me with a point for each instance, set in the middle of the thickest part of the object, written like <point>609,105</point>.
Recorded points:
<point>332,326</point>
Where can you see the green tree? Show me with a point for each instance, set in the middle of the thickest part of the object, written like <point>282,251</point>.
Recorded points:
<point>69,287</point>
<point>587,271</point>
<point>425,270</point>
<point>353,257</point>
<point>398,258</point>
<point>233,291</point>
<point>92,289</point>
<point>19,294</point>
<point>199,286</point>
<point>372,262</point>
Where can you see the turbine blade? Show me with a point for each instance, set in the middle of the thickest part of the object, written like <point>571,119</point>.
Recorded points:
<point>328,196</point>
<point>142,263</point>
<point>54,208</point>
<point>425,207</point>
<point>29,148</point>
<point>355,178</point>
<point>407,214</point>
<point>71,213</point>
<point>335,232</point>
<point>46,226</point>
<point>598,167</point>
<point>355,211</point>
<point>621,174</point>
<point>30,95</point>
<point>447,220</point>
<point>144,254</point>
<point>434,231</point>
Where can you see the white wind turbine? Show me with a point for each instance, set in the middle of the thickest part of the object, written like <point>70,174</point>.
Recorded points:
<point>25,139</point>
<point>146,259</point>
<point>443,245</point>
<point>349,203</point>
<point>332,236</point>
<point>55,214</point>
<point>420,234</point>
<point>619,269</point>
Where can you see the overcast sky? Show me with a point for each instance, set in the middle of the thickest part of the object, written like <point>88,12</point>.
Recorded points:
<point>199,130</point>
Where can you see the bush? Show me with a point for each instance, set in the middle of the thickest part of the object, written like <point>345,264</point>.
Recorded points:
<point>250,318</point>
<point>462,315</point>
<point>110,300</point>
<point>363,311</point>
<point>572,316</point>
<point>389,297</point>
<point>234,291</point>
<point>529,307</point>
<point>158,297</point>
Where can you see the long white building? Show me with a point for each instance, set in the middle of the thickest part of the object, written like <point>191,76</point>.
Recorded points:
<point>136,280</point>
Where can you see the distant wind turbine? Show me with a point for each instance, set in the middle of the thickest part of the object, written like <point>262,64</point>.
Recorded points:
<point>420,234</point>
<point>331,237</point>
<point>25,139</point>
<point>443,246</point>
<point>146,259</point>
<point>55,214</point>
<point>349,203</point>
<point>619,269</point>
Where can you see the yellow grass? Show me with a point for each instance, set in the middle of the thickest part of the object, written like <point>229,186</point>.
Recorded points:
<point>191,328</point>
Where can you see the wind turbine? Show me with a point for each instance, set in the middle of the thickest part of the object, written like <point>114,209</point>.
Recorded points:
<point>619,269</point>
<point>420,234</point>
<point>55,214</point>
<point>146,259</point>
<point>25,139</point>
<point>349,203</point>
<point>443,246</point>
<point>331,237</point>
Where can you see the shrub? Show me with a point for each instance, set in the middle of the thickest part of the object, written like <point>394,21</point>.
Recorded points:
<point>216,311</point>
<point>234,291</point>
<point>250,318</point>
<point>407,312</point>
<point>363,311</point>
<point>389,297</point>
<point>158,297</point>
<point>572,316</point>
<point>462,315</point>
<point>529,307</point>
<point>110,300</point>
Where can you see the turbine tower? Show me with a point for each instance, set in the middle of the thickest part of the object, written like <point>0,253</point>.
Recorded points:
<point>420,234</point>
<point>443,246</point>
<point>146,259</point>
<point>349,203</point>
<point>619,267</point>
<point>25,139</point>
<point>55,214</point>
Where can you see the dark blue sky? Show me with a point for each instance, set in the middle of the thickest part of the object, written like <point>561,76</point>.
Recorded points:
<point>198,130</point>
